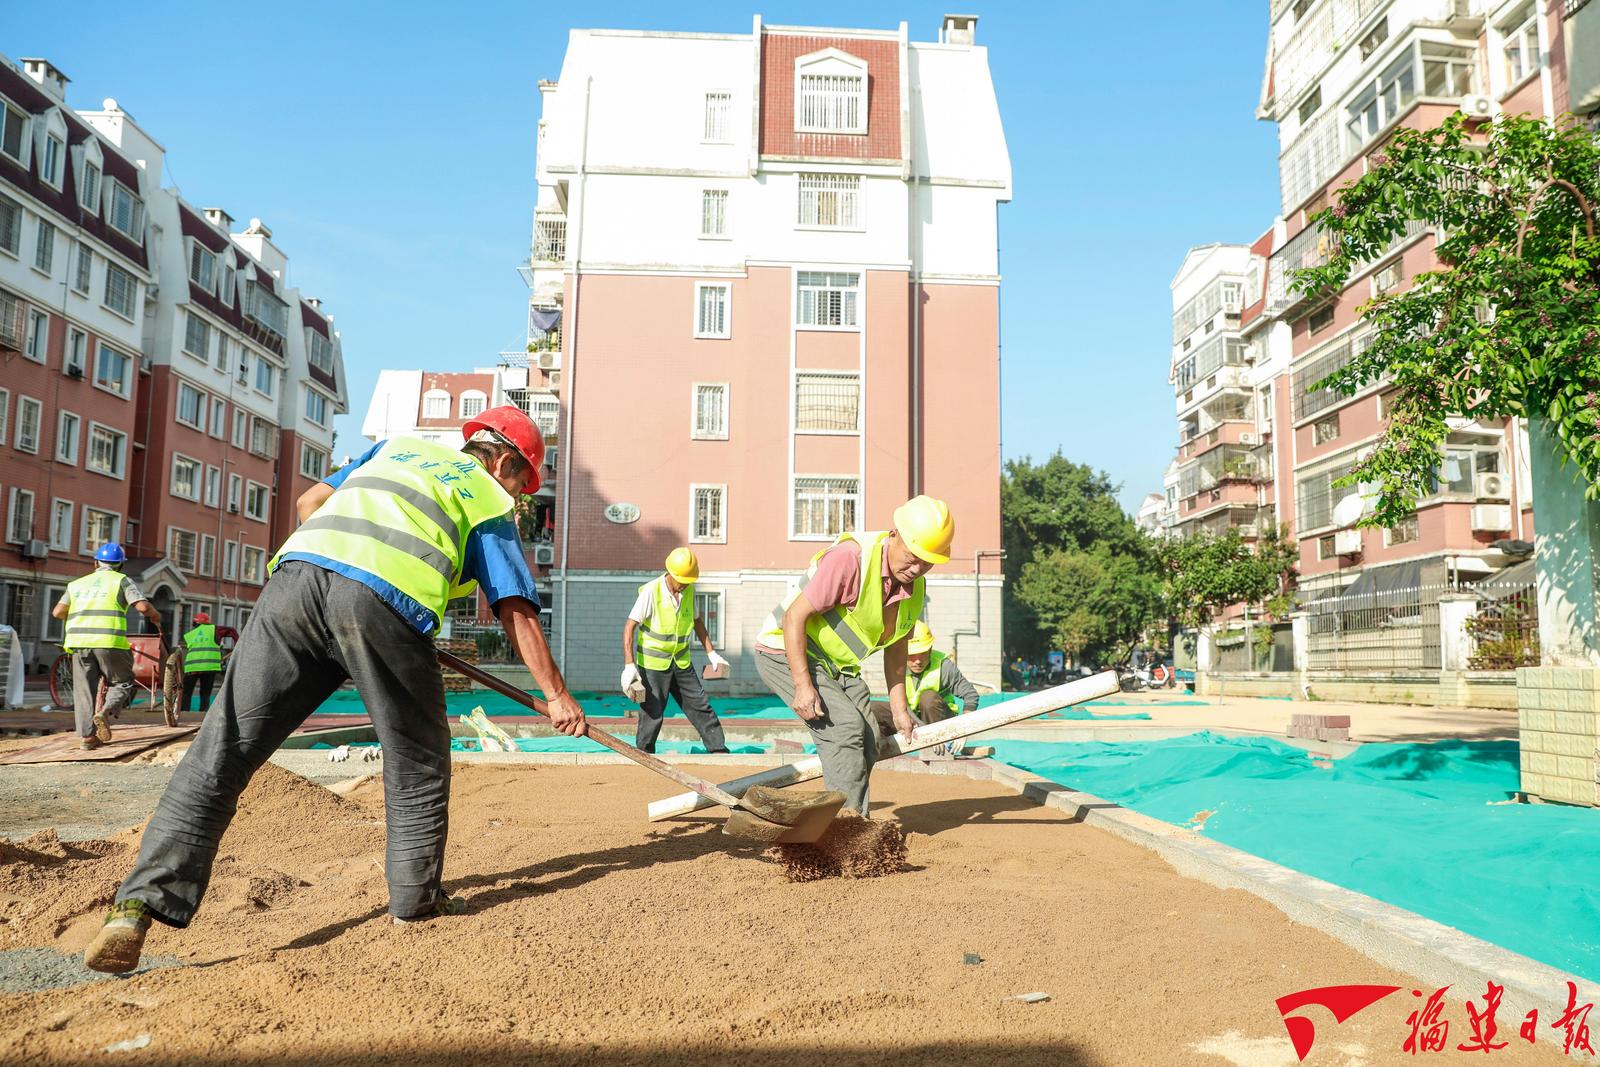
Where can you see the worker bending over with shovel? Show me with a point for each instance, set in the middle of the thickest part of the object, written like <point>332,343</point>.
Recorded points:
<point>862,594</point>
<point>357,592</point>
<point>655,654</point>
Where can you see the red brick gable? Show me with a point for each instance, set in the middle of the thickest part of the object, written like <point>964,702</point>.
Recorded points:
<point>881,142</point>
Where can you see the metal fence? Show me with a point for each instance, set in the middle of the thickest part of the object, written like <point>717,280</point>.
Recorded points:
<point>1504,633</point>
<point>1376,632</point>
<point>1248,652</point>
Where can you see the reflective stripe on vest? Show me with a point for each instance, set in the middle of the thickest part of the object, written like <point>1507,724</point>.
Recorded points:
<point>201,653</point>
<point>842,638</point>
<point>661,642</point>
<point>928,682</point>
<point>96,615</point>
<point>403,517</point>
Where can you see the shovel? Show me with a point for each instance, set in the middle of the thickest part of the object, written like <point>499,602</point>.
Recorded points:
<point>762,814</point>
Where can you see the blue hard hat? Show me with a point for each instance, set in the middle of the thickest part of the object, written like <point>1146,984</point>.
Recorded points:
<point>110,552</point>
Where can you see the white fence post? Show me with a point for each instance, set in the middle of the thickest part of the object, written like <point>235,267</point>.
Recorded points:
<point>1454,646</point>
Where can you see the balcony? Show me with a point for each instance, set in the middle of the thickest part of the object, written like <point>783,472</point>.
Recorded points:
<point>1311,247</point>
<point>1247,519</point>
<point>549,239</point>
<point>1224,465</point>
<point>1198,367</point>
<point>1309,46</point>
<point>1241,431</point>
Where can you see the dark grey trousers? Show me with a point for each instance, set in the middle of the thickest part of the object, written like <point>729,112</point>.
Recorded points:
<point>683,685</point>
<point>311,630</point>
<point>89,666</point>
<point>846,734</point>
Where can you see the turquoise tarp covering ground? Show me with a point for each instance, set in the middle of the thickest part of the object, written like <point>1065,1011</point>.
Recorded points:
<point>1421,826</point>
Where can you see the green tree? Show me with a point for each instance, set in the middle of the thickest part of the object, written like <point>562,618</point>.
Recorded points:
<point>1508,325</point>
<point>1205,574</point>
<point>1090,603</point>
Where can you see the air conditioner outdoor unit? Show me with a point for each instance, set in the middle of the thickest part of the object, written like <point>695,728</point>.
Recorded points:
<point>1491,518</point>
<point>547,360</point>
<point>544,555</point>
<point>74,370</point>
<point>555,379</point>
<point>233,509</point>
<point>1249,439</point>
<point>1493,487</point>
<point>35,549</point>
<point>1347,542</point>
<point>1477,106</point>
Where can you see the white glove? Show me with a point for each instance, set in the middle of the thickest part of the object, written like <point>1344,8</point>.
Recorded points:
<point>340,754</point>
<point>715,660</point>
<point>632,684</point>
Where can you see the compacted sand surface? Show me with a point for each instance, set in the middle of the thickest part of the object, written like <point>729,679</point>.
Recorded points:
<point>598,938</point>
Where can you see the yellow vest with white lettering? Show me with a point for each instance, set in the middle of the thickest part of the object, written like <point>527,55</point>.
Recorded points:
<point>96,615</point>
<point>662,640</point>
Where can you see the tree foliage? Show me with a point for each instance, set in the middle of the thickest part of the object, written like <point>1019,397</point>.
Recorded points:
<point>1204,574</point>
<point>1090,603</point>
<point>1509,323</point>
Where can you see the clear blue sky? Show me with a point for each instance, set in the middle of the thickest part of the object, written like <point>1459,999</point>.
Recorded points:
<point>389,146</point>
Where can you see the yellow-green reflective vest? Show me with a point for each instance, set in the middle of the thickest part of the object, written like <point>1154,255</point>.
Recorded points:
<point>403,517</point>
<point>96,615</point>
<point>928,682</point>
<point>201,653</point>
<point>844,638</point>
<point>661,642</point>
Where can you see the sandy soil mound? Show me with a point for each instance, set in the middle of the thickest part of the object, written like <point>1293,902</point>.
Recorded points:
<point>853,847</point>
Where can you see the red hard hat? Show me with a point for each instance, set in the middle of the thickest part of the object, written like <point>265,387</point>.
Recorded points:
<point>519,431</point>
<point>201,618</point>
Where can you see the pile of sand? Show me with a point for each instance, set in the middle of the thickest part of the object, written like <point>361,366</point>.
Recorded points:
<point>852,847</point>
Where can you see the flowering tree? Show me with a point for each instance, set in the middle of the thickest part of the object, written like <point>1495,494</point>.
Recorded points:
<point>1508,325</point>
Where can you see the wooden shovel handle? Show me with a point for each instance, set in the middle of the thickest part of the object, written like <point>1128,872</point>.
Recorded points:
<point>644,759</point>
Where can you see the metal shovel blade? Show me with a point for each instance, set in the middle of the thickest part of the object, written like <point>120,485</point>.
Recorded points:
<point>776,817</point>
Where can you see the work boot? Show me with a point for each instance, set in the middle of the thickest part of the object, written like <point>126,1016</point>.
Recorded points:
<point>89,743</point>
<point>102,727</point>
<point>115,949</point>
<point>443,906</point>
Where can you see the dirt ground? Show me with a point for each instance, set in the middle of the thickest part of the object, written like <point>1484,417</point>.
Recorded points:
<point>597,938</point>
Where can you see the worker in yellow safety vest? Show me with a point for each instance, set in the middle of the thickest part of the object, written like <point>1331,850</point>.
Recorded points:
<point>935,688</point>
<point>96,610</point>
<point>655,654</point>
<point>861,595</point>
<point>202,660</point>
<point>357,592</point>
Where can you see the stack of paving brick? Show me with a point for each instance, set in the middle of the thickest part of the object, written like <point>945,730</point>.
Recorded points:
<point>1312,727</point>
<point>467,650</point>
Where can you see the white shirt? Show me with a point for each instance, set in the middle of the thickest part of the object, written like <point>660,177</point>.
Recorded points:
<point>645,606</point>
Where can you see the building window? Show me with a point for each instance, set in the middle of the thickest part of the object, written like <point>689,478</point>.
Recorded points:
<point>29,414</point>
<point>213,487</point>
<point>708,609</point>
<point>127,211</point>
<point>89,193</point>
<point>182,546</point>
<point>718,104</point>
<point>108,450</point>
<point>13,132</point>
<point>1325,430</point>
<point>1326,548</point>
<point>197,337</point>
<point>1520,47</point>
<point>472,404</point>
<point>1403,532</point>
<point>68,427</point>
<point>827,402</point>
<point>1447,71</point>
<point>44,248</point>
<point>38,346</point>
<point>436,404</point>
<point>61,525</point>
<point>99,528</point>
<point>710,412</point>
<point>230,278</point>
<point>207,563</point>
<point>253,560</point>
<point>202,267</point>
<point>241,423</point>
<point>545,410</point>
<point>266,377</point>
<point>219,418</point>
<point>712,318</point>
<point>830,200</point>
<point>319,351</point>
<point>313,463</point>
<point>1387,279</point>
<point>19,528</point>
<point>256,497</point>
<point>230,560</point>
<point>185,477</point>
<point>1320,319</point>
<point>77,352</point>
<point>122,290</point>
<point>263,438</point>
<point>827,298</point>
<point>191,407</point>
<point>317,407</point>
<point>714,213</point>
<point>831,103</point>
<point>1309,105</point>
<point>235,491</point>
<point>10,225</point>
<point>83,268</point>
<point>708,514</point>
<point>1264,407</point>
<point>824,507</point>
<point>243,371</point>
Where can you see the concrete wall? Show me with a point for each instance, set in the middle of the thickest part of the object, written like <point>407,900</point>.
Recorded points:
<point>1468,689</point>
<point>1558,713</point>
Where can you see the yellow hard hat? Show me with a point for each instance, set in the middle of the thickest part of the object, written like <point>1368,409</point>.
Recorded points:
<point>682,565</point>
<point>926,527</point>
<point>921,639</point>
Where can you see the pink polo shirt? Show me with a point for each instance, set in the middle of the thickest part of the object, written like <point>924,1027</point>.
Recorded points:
<point>837,583</point>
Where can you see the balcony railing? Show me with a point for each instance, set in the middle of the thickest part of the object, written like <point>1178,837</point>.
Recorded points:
<point>1311,44</point>
<point>550,239</point>
<point>1223,350</point>
<point>1311,247</point>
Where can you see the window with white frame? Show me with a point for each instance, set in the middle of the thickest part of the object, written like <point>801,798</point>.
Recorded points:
<point>89,188</point>
<point>827,402</point>
<point>317,407</point>
<point>436,404</point>
<point>83,267</point>
<point>1403,532</point>
<point>241,368</point>
<point>113,370</point>
<point>12,320</point>
<point>61,525</point>
<point>256,497</point>
<point>235,492</point>
<point>186,473</point>
<point>252,570</point>
<point>713,213</point>
<point>5,411</point>
<point>122,290</point>
<point>10,225</point>
<point>13,132</point>
<point>831,201</point>
<point>266,377</point>
<point>213,486</point>
<point>203,267</point>
<point>1520,44</point>
<point>827,298</point>
<point>207,563</point>
<point>44,248</point>
<point>219,417</point>
<point>50,164</point>
<point>545,409</point>
<point>241,426</point>
<point>319,350</point>
<point>38,346</point>
<point>314,463</point>
<point>29,414</point>
<point>472,404</point>
<point>126,214</point>
<point>718,104</point>
<point>68,429</point>
<point>230,281</point>
<point>182,548</point>
<point>830,94</point>
<point>230,560</point>
<point>710,411</point>
<point>712,316</point>
<point>824,506</point>
<point>99,528</point>
<point>19,523</point>
<point>191,407</point>
<point>263,438</point>
<point>108,450</point>
<point>708,522</point>
<point>708,609</point>
<point>197,337</point>
<point>77,352</point>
